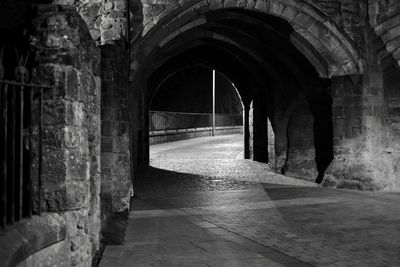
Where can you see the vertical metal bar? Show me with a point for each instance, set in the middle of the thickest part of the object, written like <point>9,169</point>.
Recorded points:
<point>11,158</point>
<point>29,154</point>
<point>3,155</point>
<point>213,105</point>
<point>18,164</point>
<point>40,150</point>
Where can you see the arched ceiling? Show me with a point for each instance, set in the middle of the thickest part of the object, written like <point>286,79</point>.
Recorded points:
<point>246,46</point>
<point>329,50</point>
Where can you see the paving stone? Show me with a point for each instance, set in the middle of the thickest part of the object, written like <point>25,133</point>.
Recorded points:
<point>197,216</point>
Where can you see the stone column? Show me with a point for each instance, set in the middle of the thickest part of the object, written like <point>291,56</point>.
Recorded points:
<point>300,157</point>
<point>116,184</point>
<point>113,21</point>
<point>271,145</point>
<point>358,132</point>
<point>281,141</point>
<point>294,147</point>
<point>246,130</point>
<point>68,59</point>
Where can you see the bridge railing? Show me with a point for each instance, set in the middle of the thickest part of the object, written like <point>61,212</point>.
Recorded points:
<point>165,120</point>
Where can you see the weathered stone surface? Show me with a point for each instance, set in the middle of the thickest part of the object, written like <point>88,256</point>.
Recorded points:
<point>90,122</point>
<point>68,58</point>
<point>21,241</point>
<point>116,174</point>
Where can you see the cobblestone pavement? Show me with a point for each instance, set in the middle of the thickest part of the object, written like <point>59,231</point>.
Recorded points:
<point>199,205</point>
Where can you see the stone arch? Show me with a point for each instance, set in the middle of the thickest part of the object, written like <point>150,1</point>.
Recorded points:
<point>324,51</point>
<point>218,40</point>
<point>385,20</point>
<point>326,41</point>
<point>191,37</point>
<point>149,89</point>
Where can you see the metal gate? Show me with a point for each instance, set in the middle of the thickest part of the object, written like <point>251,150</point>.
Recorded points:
<point>20,150</point>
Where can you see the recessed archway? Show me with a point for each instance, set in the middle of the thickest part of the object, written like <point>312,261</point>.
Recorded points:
<point>279,73</point>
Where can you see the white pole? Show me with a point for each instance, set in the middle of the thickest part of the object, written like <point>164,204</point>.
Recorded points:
<point>213,115</point>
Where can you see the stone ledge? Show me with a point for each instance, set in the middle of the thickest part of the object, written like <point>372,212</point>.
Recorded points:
<point>19,241</point>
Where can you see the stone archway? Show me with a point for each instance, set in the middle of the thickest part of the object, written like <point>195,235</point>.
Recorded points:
<point>204,25</point>
<point>384,18</point>
<point>322,35</point>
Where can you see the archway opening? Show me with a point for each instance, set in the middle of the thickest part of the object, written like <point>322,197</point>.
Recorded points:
<point>280,76</point>
<point>194,102</point>
<point>196,114</point>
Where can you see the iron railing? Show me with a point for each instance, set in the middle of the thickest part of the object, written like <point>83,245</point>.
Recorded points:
<point>21,148</point>
<point>164,120</point>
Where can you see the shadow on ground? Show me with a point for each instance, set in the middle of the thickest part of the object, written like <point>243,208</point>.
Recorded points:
<point>151,180</point>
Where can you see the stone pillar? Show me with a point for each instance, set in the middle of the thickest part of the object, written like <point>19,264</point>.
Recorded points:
<point>116,182</point>
<point>271,145</point>
<point>246,130</point>
<point>144,135</point>
<point>358,132</point>
<point>68,59</point>
<point>294,147</point>
<point>300,160</point>
<point>392,151</point>
<point>258,131</point>
<point>281,141</point>
<point>113,21</point>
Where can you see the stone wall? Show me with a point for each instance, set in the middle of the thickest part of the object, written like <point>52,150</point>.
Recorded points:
<point>297,138</point>
<point>22,243</point>
<point>79,117</point>
<point>105,19</point>
<point>107,22</point>
<point>68,59</point>
<point>364,112</point>
<point>391,83</point>
<point>353,119</point>
<point>300,161</point>
<point>116,175</point>
<point>384,17</point>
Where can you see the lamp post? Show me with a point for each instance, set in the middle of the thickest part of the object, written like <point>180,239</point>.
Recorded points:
<point>213,105</point>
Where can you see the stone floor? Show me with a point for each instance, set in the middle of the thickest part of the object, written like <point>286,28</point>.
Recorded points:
<point>199,204</point>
